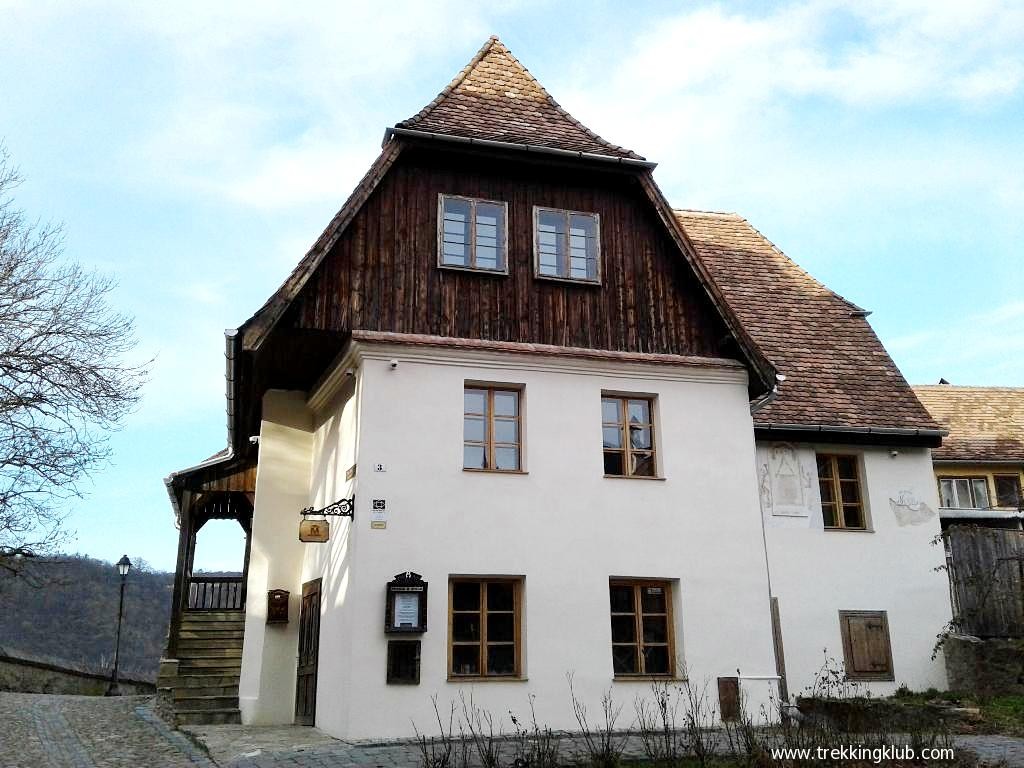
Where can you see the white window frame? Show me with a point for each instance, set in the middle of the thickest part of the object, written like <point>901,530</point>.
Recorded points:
<point>503,252</point>
<point>537,209</point>
<point>970,479</point>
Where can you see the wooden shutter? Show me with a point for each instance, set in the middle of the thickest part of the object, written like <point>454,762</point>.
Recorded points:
<point>866,647</point>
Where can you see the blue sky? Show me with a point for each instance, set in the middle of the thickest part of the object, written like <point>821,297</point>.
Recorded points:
<point>196,150</point>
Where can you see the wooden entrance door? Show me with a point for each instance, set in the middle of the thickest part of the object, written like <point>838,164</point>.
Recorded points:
<point>309,651</point>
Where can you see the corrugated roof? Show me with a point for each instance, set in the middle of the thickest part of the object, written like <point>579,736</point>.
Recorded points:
<point>984,423</point>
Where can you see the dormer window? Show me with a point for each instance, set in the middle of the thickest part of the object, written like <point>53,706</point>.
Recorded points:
<point>567,245</point>
<point>472,234</point>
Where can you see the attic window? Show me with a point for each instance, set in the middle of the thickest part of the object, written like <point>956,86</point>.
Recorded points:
<point>567,245</point>
<point>472,234</point>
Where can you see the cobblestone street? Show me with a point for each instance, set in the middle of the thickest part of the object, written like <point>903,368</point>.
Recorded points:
<point>44,731</point>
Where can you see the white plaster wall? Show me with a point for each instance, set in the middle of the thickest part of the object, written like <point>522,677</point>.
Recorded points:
<point>266,690</point>
<point>815,573</point>
<point>562,525</point>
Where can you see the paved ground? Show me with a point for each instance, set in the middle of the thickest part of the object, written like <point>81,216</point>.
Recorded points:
<point>43,731</point>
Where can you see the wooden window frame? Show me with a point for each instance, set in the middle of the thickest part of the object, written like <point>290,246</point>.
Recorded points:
<point>517,583</point>
<point>489,445</point>
<point>837,491</point>
<point>627,444</point>
<point>970,477</point>
<point>887,675</point>
<point>537,209</point>
<point>1020,490</point>
<point>638,614</point>
<point>471,236</point>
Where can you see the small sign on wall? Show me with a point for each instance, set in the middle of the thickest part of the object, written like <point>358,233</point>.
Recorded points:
<point>406,606</point>
<point>317,531</point>
<point>379,514</point>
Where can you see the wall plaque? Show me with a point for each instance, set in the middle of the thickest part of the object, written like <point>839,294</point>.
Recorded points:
<point>406,606</point>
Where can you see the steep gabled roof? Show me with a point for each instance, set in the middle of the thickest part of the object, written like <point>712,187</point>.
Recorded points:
<point>985,423</point>
<point>837,373</point>
<point>495,98</point>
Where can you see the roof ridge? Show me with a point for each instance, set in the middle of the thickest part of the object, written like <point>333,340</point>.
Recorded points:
<point>986,388</point>
<point>716,214</point>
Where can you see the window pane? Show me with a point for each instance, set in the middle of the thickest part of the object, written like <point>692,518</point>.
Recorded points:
<point>980,492</point>
<point>490,234</point>
<point>466,627</point>
<point>466,659</point>
<point>850,491</point>
<point>474,457</point>
<point>624,661</point>
<point>642,464</point>
<point>486,257</point>
<point>639,412</point>
<point>475,401</point>
<point>824,466</point>
<point>500,627</point>
<point>1007,490</point>
<point>621,598</point>
<point>640,437</point>
<point>623,629</point>
<point>500,596</point>
<point>655,629</point>
<point>652,599</point>
<point>506,403</point>
<point>614,463</point>
<point>610,411</point>
<point>828,513</point>
<point>847,467</point>
<point>506,458</point>
<point>551,243</point>
<point>946,492</point>
<point>466,596</point>
<point>656,660</point>
<point>853,517</point>
<point>583,247</point>
<point>454,232</point>
<point>963,493</point>
<point>506,431</point>
<point>611,437</point>
<point>501,659</point>
<point>474,430</point>
<point>827,493</point>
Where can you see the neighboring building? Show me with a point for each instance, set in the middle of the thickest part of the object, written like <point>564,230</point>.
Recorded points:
<point>533,380</point>
<point>980,466</point>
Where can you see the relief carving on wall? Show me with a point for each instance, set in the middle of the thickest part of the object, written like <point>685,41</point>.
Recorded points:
<point>785,483</point>
<point>910,510</point>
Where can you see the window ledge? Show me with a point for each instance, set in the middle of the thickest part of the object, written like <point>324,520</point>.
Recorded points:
<point>487,679</point>
<point>849,530</point>
<point>569,280</point>
<point>495,471</point>
<point>648,678</point>
<point>475,270</point>
<point>633,477</point>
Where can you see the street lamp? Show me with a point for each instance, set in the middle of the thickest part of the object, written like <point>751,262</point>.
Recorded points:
<point>123,566</point>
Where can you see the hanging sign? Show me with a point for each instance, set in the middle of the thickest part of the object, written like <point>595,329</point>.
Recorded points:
<point>317,531</point>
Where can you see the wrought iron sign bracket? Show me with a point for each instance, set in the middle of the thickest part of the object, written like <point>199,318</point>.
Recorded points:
<point>340,508</point>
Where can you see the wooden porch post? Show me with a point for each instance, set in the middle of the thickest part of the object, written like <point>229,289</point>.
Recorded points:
<point>186,539</point>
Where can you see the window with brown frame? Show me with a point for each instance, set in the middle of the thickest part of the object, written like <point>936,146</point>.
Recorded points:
<point>867,651</point>
<point>567,245</point>
<point>642,641</point>
<point>627,434</point>
<point>472,234</point>
<point>484,627</point>
<point>842,503</point>
<point>1008,491</point>
<point>491,429</point>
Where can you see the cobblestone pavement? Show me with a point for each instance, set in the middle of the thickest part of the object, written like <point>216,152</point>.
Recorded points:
<point>993,749</point>
<point>45,731</point>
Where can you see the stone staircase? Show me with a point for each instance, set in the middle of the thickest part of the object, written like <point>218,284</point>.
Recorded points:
<point>200,687</point>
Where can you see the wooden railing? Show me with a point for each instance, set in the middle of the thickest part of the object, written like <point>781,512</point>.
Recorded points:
<point>216,593</point>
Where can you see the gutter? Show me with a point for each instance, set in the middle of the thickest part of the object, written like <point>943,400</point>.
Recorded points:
<point>231,343</point>
<point>829,428</point>
<point>533,148</point>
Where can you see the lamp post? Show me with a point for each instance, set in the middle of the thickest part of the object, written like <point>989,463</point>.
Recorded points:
<point>123,566</point>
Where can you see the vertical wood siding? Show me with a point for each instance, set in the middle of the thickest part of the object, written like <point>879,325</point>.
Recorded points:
<point>382,274</point>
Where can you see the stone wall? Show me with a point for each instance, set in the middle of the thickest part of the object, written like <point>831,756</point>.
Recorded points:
<point>26,676</point>
<point>984,667</point>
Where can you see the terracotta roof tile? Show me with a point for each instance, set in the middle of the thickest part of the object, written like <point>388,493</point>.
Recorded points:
<point>837,372</point>
<point>984,423</point>
<point>495,98</point>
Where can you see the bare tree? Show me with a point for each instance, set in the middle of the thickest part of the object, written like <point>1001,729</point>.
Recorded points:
<point>65,384</point>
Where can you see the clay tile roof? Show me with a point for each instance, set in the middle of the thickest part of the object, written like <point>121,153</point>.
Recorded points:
<point>837,372</point>
<point>984,423</point>
<point>495,98</point>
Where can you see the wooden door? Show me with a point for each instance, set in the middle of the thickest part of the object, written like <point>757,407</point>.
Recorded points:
<point>309,651</point>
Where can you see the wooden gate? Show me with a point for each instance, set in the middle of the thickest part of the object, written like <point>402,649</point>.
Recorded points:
<point>309,651</point>
<point>986,579</point>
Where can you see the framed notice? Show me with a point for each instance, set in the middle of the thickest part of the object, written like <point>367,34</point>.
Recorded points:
<point>406,606</point>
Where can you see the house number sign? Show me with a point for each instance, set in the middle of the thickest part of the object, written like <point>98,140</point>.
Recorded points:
<point>406,607</point>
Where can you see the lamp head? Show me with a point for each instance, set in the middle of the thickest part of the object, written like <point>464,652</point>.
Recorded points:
<point>124,565</point>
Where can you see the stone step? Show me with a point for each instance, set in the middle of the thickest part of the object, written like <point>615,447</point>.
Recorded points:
<point>196,703</point>
<point>208,717</point>
<point>209,642</point>
<point>189,692</point>
<point>208,616</point>
<point>211,627</point>
<point>210,632</point>
<point>198,680</point>
<point>218,652</point>
<point>210,667</point>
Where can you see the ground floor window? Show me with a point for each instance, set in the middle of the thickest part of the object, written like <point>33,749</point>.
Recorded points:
<point>484,627</point>
<point>642,642</point>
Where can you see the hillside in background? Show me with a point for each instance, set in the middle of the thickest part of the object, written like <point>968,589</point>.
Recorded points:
<point>70,617</point>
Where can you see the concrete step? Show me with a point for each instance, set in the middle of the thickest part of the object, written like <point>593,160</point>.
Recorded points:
<point>210,632</point>
<point>208,616</point>
<point>196,703</point>
<point>208,717</point>
<point>183,693</point>
<point>210,667</point>
<point>205,679</point>
<point>209,653</point>
<point>208,642</point>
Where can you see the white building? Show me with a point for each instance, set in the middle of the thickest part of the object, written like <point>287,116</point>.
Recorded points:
<point>603,434</point>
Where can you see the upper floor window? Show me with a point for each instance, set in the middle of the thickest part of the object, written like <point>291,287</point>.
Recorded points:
<point>1008,491</point>
<point>567,244</point>
<point>472,234</point>
<point>842,504</point>
<point>964,492</point>
<point>491,436</point>
<point>627,433</point>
